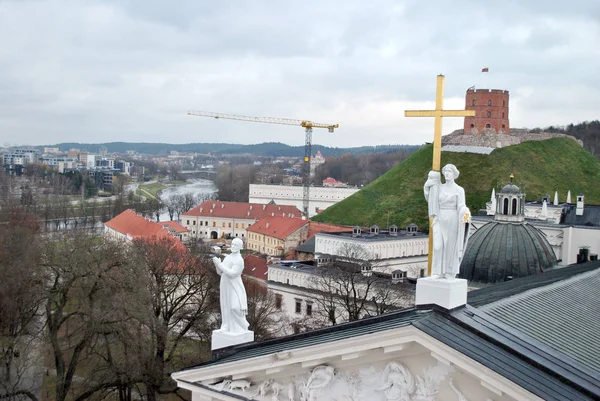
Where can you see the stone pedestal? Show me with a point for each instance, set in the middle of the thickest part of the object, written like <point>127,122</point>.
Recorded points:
<point>447,293</point>
<point>227,339</point>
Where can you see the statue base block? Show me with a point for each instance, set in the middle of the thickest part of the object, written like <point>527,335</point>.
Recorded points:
<point>447,293</point>
<point>227,339</point>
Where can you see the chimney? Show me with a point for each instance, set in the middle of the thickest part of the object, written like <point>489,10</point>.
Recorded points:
<point>214,204</point>
<point>201,209</point>
<point>268,224</point>
<point>272,214</point>
<point>248,213</point>
<point>579,208</point>
<point>222,205</point>
<point>264,207</point>
<point>250,207</point>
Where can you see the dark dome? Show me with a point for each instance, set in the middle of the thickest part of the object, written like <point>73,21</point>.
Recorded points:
<point>499,250</point>
<point>511,189</point>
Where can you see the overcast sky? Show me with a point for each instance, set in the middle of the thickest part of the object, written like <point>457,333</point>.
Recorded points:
<point>128,70</point>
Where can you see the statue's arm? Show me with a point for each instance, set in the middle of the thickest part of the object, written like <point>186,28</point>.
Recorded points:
<point>233,268</point>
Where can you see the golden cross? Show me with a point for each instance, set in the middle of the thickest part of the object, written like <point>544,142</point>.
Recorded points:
<point>438,113</point>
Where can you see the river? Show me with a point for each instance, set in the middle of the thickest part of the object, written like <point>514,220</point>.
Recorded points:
<point>196,186</point>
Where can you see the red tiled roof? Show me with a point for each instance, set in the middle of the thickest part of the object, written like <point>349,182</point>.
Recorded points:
<point>256,267</point>
<point>277,226</point>
<point>241,210</point>
<point>130,223</point>
<point>315,227</point>
<point>173,225</point>
<point>330,180</point>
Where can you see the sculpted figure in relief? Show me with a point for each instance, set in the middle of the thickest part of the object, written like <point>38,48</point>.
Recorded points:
<point>451,220</point>
<point>234,304</point>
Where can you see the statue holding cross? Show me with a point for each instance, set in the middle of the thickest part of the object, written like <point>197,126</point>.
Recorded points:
<point>444,261</point>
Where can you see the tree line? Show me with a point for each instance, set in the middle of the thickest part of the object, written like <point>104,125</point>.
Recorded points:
<point>588,132</point>
<point>87,317</point>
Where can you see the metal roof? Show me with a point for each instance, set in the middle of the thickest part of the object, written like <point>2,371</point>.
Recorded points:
<point>501,250</point>
<point>308,246</point>
<point>508,354</point>
<point>590,216</point>
<point>564,315</point>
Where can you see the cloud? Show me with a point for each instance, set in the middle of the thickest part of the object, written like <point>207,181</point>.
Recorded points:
<point>129,70</point>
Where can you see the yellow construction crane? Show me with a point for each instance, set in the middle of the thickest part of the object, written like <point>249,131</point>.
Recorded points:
<point>307,125</point>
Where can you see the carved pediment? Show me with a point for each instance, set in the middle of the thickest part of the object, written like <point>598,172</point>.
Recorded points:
<point>325,383</point>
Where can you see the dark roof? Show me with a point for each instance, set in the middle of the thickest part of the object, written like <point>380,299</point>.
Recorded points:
<point>517,357</point>
<point>499,291</point>
<point>511,189</point>
<point>384,235</point>
<point>308,246</point>
<point>563,315</point>
<point>500,250</point>
<point>334,333</point>
<point>590,216</point>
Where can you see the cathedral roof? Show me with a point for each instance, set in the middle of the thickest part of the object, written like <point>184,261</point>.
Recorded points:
<point>511,189</point>
<point>499,251</point>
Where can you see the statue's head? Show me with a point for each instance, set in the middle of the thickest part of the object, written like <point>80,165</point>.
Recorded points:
<point>450,172</point>
<point>236,245</point>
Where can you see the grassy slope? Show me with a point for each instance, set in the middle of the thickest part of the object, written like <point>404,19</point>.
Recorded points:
<point>540,167</point>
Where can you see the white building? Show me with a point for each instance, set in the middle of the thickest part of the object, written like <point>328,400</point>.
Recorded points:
<point>389,250</point>
<point>568,227</point>
<point>320,198</point>
<point>215,219</point>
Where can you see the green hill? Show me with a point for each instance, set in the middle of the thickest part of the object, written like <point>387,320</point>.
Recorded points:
<point>540,167</point>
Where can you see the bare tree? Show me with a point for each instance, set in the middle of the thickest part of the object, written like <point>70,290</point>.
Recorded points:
<point>347,289</point>
<point>264,317</point>
<point>180,297</point>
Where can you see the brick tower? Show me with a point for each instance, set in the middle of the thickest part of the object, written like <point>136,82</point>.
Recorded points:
<point>491,111</point>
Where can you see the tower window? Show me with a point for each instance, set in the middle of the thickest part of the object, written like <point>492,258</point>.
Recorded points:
<point>473,102</point>
<point>505,208</point>
<point>489,113</point>
<point>514,207</point>
<point>490,102</point>
<point>502,114</point>
<point>472,125</point>
<point>488,126</point>
<point>504,103</point>
<point>503,126</point>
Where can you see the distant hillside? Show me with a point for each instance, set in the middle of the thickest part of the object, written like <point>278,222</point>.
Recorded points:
<point>540,167</point>
<point>268,149</point>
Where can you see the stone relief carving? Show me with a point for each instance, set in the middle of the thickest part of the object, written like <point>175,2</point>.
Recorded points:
<point>394,383</point>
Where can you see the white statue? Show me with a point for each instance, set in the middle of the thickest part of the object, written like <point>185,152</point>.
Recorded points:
<point>451,218</point>
<point>234,304</point>
<point>398,383</point>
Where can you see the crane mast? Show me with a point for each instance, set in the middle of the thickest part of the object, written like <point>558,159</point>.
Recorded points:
<point>306,124</point>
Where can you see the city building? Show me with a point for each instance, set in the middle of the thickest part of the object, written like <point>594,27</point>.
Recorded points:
<point>177,230</point>
<point>216,219</point>
<point>276,235</point>
<point>320,198</point>
<point>491,111</point>
<point>332,182</point>
<point>315,162</point>
<point>21,157</point>
<point>124,167</point>
<point>102,177</point>
<point>393,250</point>
<point>60,164</point>
<point>129,225</point>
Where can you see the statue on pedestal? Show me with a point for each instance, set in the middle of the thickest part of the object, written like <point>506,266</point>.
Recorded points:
<point>233,300</point>
<point>451,221</point>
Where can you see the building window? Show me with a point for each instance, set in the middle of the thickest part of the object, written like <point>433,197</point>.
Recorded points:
<point>488,126</point>
<point>308,309</point>
<point>473,102</point>
<point>490,102</point>
<point>472,125</point>
<point>223,224</point>
<point>194,222</point>
<point>504,103</point>
<point>503,126</point>
<point>243,225</point>
<point>206,223</point>
<point>502,114</point>
<point>237,225</point>
<point>422,273</point>
<point>489,113</point>
<point>188,222</point>
<point>229,225</point>
<point>214,223</point>
<point>278,301</point>
<point>201,222</point>
<point>298,306</point>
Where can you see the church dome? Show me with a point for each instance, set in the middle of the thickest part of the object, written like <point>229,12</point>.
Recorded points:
<point>511,189</point>
<point>499,251</point>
